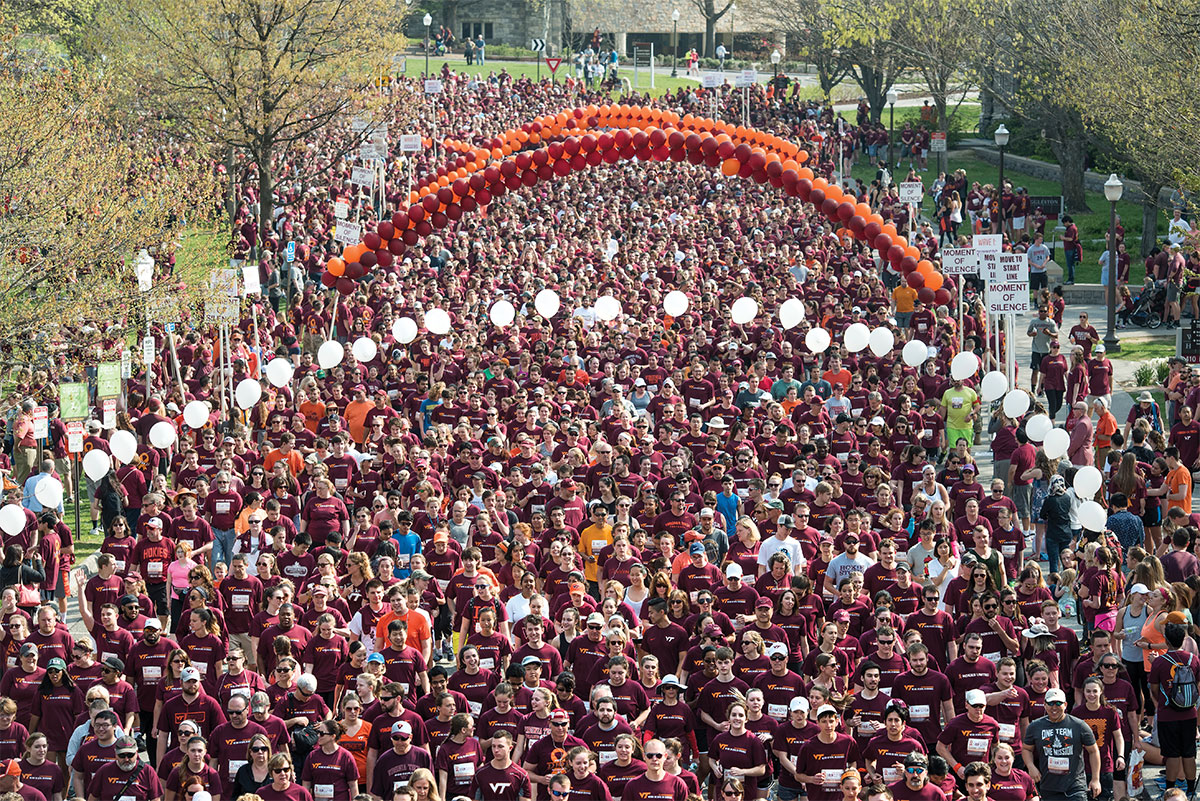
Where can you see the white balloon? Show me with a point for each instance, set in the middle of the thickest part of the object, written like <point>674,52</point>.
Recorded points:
<point>915,353</point>
<point>12,519</point>
<point>330,355</point>
<point>882,341</point>
<point>502,314</point>
<point>964,365</point>
<point>791,312</point>
<point>1038,426</point>
<point>247,393</point>
<point>123,446</point>
<point>547,303</point>
<point>1087,482</point>
<point>607,308</point>
<point>1016,403</point>
<point>675,303</point>
<point>857,337</point>
<point>1092,516</point>
<point>405,330</point>
<point>195,414</point>
<point>364,349</point>
<point>279,372</point>
<point>96,464</point>
<point>993,386</point>
<point>744,310</point>
<point>437,321</point>
<point>163,434</point>
<point>1055,443</point>
<point>817,340</point>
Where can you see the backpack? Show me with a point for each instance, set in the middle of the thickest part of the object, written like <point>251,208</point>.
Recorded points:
<point>1180,691</point>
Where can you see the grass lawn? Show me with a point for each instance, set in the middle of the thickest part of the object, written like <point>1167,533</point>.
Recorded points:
<point>1147,349</point>
<point>662,83</point>
<point>1092,226</point>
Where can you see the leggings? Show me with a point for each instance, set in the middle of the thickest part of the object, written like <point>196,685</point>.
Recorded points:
<point>1138,678</point>
<point>1054,401</point>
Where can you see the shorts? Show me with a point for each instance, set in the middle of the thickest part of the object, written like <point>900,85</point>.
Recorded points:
<point>1018,222</point>
<point>787,793</point>
<point>1177,738</point>
<point>1152,517</point>
<point>953,435</point>
<point>1035,360</point>
<point>1038,280</point>
<point>157,593</point>
<point>1022,496</point>
<point>1172,292</point>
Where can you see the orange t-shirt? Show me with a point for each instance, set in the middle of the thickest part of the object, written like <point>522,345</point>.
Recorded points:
<point>905,296</point>
<point>313,412</point>
<point>356,417</point>
<point>295,461</point>
<point>1177,479</point>
<point>841,377</point>
<point>1106,426</point>
<point>418,628</point>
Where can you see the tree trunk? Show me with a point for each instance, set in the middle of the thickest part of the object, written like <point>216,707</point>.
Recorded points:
<point>1150,215</point>
<point>710,37</point>
<point>266,190</point>
<point>871,81</point>
<point>1071,152</point>
<point>230,186</point>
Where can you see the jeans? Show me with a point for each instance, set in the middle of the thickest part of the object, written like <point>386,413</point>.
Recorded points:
<point>1054,545</point>
<point>1069,252</point>
<point>223,540</point>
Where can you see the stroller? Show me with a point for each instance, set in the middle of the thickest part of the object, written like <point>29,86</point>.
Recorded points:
<point>1148,307</point>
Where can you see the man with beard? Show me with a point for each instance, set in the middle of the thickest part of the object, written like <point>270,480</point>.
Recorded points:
<point>393,768</point>
<point>929,696</point>
<point>601,736</point>
<point>147,665</point>
<point>126,778</point>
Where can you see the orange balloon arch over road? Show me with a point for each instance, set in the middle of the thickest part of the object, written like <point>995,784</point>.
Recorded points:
<point>556,145</point>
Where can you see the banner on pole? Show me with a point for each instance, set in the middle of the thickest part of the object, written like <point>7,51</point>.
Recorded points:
<point>347,232</point>
<point>710,80</point>
<point>1007,277</point>
<point>363,176</point>
<point>108,380</point>
<point>73,401</point>
<point>988,243</point>
<point>410,143</point>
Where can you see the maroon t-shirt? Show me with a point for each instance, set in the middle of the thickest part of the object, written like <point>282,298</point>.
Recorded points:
<point>828,761</point>
<point>334,776</point>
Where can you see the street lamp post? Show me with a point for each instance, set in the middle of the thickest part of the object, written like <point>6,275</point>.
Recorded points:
<point>675,43</point>
<point>428,20</point>
<point>776,57</point>
<point>1001,137</point>
<point>1113,189</point>
<point>892,97</point>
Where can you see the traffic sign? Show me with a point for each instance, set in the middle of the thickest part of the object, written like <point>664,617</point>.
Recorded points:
<point>937,142</point>
<point>291,251</point>
<point>553,63</point>
<point>41,422</point>
<point>75,436</point>
<point>538,45</point>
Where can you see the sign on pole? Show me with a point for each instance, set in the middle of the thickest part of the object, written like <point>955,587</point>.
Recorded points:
<point>148,351</point>
<point>911,192</point>
<point>959,261</point>
<point>75,436</point>
<point>553,63</point>
<point>410,143</point>
<point>710,80</point>
<point>988,243</point>
<point>291,251</point>
<point>538,45</point>
<point>1007,282</point>
<point>41,422</point>
<point>348,233</point>
<point>341,210</point>
<point>363,176</point>
<point>73,401</point>
<point>251,284</point>
<point>110,412</point>
<point>126,363</point>
<point>433,86</point>
<point>937,142</point>
<point>108,380</point>
<point>747,78</point>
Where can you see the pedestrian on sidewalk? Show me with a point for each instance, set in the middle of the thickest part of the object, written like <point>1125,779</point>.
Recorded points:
<point>1043,330</point>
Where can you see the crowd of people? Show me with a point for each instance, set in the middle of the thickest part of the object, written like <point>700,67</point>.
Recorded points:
<point>655,557</point>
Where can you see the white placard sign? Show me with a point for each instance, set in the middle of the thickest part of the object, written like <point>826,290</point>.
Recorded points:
<point>433,86</point>
<point>710,80</point>
<point>341,209</point>
<point>148,350</point>
<point>75,436</point>
<point>988,243</point>
<point>363,176</point>
<point>410,143</point>
<point>1008,282</point>
<point>41,422</point>
<point>959,261</point>
<point>126,364</point>
<point>747,78</point>
<point>251,285</point>
<point>911,192</point>
<point>347,232</point>
<point>110,412</point>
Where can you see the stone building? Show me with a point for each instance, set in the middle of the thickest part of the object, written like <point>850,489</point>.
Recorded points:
<point>623,23</point>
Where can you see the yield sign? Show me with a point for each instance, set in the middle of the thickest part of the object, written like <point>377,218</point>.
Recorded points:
<point>553,63</point>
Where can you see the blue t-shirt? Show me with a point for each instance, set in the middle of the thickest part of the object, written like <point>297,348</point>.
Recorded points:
<point>727,507</point>
<point>406,546</point>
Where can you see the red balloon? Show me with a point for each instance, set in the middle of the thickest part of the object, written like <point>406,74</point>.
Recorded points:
<point>383,258</point>
<point>658,138</point>
<point>894,254</point>
<point>541,157</point>
<point>498,190</point>
<point>454,211</point>
<point>562,167</point>
<point>622,139</point>
<point>328,279</point>
<point>482,197</point>
<point>641,139</point>
<point>804,188</point>
<point>423,228</point>
<point>605,142</point>
<point>386,230</point>
<point>693,156</point>
<point>512,182</point>
<point>545,172</point>
<point>856,225</point>
<point>431,203</point>
<point>594,158</point>
<point>524,159</point>
<point>356,269</point>
<point>371,240</point>
<point>507,168</point>
<point>915,280</point>
<point>881,241</point>
<point>693,141</point>
<point>758,161</point>
<point>871,230</point>
<point>555,149</point>
<point>942,297</point>
<point>439,220</point>
<point>529,178</point>
<point>676,139</point>
<point>742,152</point>
<point>711,159</point>
<point>708,143</point>
<point>588,143</point>
<point>396,246</point>
<point>477,181</point>
<point>611,156</point>
<point>817,197</point>
<point>468,203</point>
<point>346,286</point>
<point>829,208</point>
<point>571,145</point>
<point>745,171</point>
<point>367,260</point>
<point>725,150</point>
<point>774,168</point>
<point>926,295</point>
<point>844,211</point>
<point>578,162</point>
<point>908,264</point>
<point>416,212</point>
<point>411,237</point>
<point>461,187</point>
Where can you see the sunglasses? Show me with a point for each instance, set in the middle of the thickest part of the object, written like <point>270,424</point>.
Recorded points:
<point>258,749</point>
<point>288,769</point>
<point>914,769</point>
<point>558,725</point>
<point>401,737</point>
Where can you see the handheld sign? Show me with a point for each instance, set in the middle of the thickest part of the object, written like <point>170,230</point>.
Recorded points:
<point>363,176</point>
<point>341,210</point>
<point>988,243</point>
<point>1007,282</point>
<point>148,350</point>
<point>410,143</point>
<point>959,261</point>
<point>747,78</point>
<point>433,86</point>
<point>348,233</point>
<point>911,192</point>
<point>710,80</point>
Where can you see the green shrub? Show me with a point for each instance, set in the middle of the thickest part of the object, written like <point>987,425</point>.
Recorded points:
<point>1152,373</point>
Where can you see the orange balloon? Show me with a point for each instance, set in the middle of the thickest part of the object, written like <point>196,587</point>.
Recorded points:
<point>890,230</point>
<point>335,266</point>
<point>730,166</point>
<point>805,173</point>
<point>862,210</point>
<point>443,180</point>
<point>876,218</point>
<point>925,266</point>
<point>912,251</point>
<point>934,281</point>
<point>819,183</point>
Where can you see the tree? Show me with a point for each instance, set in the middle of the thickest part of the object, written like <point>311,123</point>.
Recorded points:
<point>82,194</point>
<point>712,15</point>
<point>810,31</point>
<point>255,75</point>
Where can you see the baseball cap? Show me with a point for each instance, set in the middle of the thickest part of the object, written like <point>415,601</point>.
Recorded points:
<point>531,660</point>
<point>320,589</point>
<point>706,512</point>
<point>764,603</point>
<point>189,674</point>
<point>916,759</point>
<point>115,664</point>
<point>125,745</point>
<point>575,586</point>
<point>798,703</point>
<point>1056,695</point>
<point>29,649</point>
<point>153,623</point>
<point>595,618</point>
<point>128,598</point>
<point>776,648</point>
<point>733,570</point>
<point>841,616</point>
<point>903,566</point>
<point>976,698</point>
<point>56,664</point>
<point>402,727</point>
<point>695,548</point>
<point>154,522</point>
<point>441,536</point>
<point>375,658</point>
<point>559,715</point>
<point>1139,589</point>
<point>826,709</point>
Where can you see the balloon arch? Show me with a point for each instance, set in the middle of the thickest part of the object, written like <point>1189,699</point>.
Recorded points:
<point>556,145</point>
